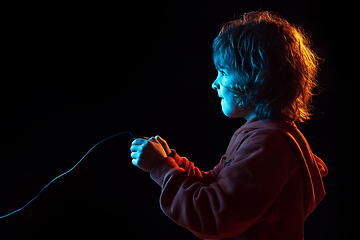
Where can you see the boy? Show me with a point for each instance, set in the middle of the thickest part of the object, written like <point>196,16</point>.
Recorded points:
<point>268,181</point>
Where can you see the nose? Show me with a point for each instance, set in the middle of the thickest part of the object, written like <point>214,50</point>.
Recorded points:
<point>215,85</point>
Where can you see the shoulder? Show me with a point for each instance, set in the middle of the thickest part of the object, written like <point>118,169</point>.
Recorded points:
<point>260,136</point>
<point>260,142</point>
<point>269,133</point>
<point>265,147</point>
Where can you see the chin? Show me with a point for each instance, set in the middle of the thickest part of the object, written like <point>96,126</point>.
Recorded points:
<point>234,114</point>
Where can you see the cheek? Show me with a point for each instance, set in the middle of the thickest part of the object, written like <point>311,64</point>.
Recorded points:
<point>229,107</point>
<point>229,98</point>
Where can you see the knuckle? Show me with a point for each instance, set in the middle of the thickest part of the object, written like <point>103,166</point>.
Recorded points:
<point>134,162</point>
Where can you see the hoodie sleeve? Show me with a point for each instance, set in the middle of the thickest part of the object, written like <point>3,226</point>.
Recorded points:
<point>241,196</point>
<point>193,172</point>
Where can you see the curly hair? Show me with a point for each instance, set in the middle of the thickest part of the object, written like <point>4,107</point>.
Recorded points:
<point>276,69</point>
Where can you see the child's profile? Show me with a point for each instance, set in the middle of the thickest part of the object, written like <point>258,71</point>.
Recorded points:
<point>268,181</point>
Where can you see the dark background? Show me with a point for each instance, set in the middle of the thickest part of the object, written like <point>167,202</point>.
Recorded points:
<point>75,74</point>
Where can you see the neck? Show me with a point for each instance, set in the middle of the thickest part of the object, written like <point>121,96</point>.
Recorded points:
<point>250,115</point>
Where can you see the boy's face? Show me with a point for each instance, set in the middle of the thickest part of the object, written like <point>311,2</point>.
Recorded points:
<point>228,99</point>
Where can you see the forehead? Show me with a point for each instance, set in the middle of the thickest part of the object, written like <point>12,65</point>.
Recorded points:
<point>225,68</point>
<point>222,61</point>
<point>220,65</point>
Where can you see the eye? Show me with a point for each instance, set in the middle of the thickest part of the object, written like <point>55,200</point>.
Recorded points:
<point>222,73</point>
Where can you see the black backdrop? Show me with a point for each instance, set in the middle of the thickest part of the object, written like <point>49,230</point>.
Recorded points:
<point>75,74</point>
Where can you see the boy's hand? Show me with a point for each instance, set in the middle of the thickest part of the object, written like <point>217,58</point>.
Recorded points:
<point>146,153</point>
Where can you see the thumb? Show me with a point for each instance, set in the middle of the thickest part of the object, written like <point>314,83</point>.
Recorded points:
<point>161,141</point>
<point>163,144</point>
<point>159,138</point>
<point>154,140</point>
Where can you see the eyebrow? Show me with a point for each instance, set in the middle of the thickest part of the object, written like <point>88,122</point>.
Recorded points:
<point>223,68</point>
<point>220,67</point>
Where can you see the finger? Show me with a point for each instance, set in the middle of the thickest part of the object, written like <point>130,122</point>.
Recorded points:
<point>135,155</point>
<point>162,141</point>
<point>135,162</point>
<point>154,140</point>
<point>164,144</point>
<point>135,148</point>
<point>151,139</point>
<point>138,141</point>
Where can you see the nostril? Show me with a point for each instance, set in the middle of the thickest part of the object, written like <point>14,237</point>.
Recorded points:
<point>214,85</point>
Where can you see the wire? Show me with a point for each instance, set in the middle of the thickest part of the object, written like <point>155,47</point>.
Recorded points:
<point>132,135</point>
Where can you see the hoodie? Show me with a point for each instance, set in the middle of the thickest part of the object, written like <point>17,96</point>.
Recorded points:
<point>263,188</point>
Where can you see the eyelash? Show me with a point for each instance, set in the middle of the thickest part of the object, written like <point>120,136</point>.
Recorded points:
<point>222,73</point>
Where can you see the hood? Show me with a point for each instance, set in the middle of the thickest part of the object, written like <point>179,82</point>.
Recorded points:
<point>313,167</point>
